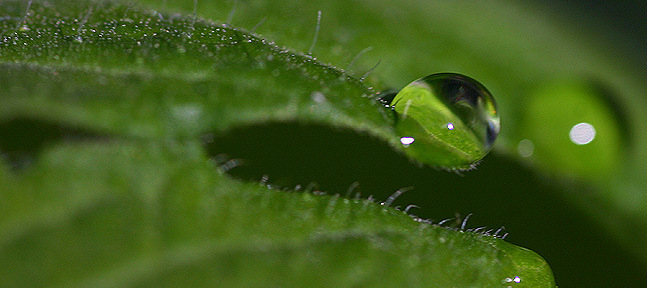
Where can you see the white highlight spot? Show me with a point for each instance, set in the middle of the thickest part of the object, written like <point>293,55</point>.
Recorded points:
<point>516,279</point>
<point>406,108</point>
<point>582,133</point>
<point>450,126</point>
<point>525,148</point>
<point>406,141</point>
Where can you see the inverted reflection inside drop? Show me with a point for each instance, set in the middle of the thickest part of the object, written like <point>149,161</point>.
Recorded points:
<point>452,117</point>
<point>582,133</point>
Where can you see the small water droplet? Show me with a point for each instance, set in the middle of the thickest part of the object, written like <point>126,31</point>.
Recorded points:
<point>510,281</point>
<point>452,117</point>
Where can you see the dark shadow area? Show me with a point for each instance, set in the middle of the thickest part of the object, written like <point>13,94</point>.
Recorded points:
<point>501,192</point>
<point>623,22</point>
<point>23,139</point>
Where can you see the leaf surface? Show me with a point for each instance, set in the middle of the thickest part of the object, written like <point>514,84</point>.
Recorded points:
<point>123,192</point>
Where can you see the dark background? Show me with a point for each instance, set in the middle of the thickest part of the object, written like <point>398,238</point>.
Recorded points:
<point>501,192</point>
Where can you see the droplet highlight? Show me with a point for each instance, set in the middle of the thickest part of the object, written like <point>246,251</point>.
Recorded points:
<point>445,119</point>
<point>582,133</point>
<point>406,141</point>
<point>510,281</point>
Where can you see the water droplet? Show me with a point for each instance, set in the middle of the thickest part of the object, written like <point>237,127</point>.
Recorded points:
<point>510,281</point>
<point>445,119</point>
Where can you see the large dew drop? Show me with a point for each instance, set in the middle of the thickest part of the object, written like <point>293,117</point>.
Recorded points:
<point>448,120</point>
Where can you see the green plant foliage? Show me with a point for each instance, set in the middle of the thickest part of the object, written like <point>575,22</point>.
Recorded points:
<point>183,55</point>
<point>516,50</point>
<point>113,186</point>
<point>159,214</point>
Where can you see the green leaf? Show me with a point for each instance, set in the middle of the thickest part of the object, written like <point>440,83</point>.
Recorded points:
<point>120,192</point>
<point>516,50</point>
<point>152,214</point>
<point>122,52</point>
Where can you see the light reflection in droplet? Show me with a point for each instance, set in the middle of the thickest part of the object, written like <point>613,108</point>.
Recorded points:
<point>406,141</point>
<point>450,126</point>
<point>525,148</point>
<point>509,281</point>
<point>582,133</point>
